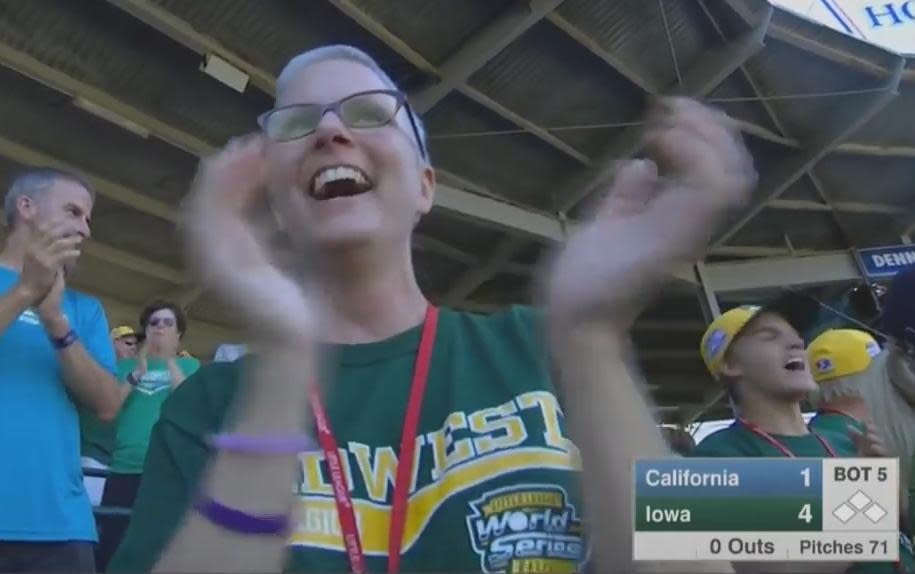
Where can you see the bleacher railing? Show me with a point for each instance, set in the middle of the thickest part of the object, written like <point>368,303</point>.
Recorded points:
<point>102,510</point>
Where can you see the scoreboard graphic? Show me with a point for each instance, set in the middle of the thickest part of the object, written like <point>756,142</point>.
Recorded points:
<point>761,509</point>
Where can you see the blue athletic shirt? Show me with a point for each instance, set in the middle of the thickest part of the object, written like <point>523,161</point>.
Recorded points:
<point>42,497</point>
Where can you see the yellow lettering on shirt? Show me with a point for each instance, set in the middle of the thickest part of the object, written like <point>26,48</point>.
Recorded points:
<point>380,474</point>
<point>312,476</point>
<point>492,421</point>
<point>442,440</point>
<point>549,406</point>
<point>374,519</point>
<point>492,444</point>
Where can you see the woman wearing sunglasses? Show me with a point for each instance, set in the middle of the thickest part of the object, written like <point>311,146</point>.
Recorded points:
<point>147,381</point>
<point>415,438</point>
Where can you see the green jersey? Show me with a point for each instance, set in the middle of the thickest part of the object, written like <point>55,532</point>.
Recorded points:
<point>834,423</point>
<point>495,485</point>
<point>96,438</point>
<point>738,441</point>
<point>141,410</point>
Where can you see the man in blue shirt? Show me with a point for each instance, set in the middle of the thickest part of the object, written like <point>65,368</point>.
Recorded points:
<point>54,352</point>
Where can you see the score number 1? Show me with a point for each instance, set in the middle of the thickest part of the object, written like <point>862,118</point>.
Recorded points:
<point>805,513</point>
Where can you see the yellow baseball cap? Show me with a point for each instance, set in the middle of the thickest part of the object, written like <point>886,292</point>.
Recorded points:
<point>122,331</point>
<point>799,311</point>
<point>721,333</point>
<point>840,353</point>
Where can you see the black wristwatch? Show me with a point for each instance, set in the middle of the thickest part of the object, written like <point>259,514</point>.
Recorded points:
<point>132,379</point>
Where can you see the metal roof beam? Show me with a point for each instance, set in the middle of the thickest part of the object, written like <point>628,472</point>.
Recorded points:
<point>499,214</point>
<point>841,206</point>
<point>650,87</point>
<point>758,251</point>
<point>349,8</point>
<point>487,210</point>
<point>134,263</point>
<point>779,272</point>
<point>470,57</point>
<point>470,281</point>
<point>754,87</point>
<point>184,295</point>
<point>183,33</point>
<point>877,150</point>
<point>619,64</point>
<point>827,51</point>
<point>104,187</point>
<point>697,82</point>
<point>451,198</point>
<point>844,121</point>
<point>482,47</point>
<point>60,81</point>
<point>126,261</point>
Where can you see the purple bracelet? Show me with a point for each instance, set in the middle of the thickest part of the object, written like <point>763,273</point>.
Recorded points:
<point>238,521</point>
<point>270,444</point>
<point>63,342</point>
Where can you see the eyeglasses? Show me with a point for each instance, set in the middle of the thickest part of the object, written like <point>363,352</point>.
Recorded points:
<point>371,109</point>
<point>164,321</point>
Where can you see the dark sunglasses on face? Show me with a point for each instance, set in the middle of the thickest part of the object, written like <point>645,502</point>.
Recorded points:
<point>371,109</point>
<point>164,321</point>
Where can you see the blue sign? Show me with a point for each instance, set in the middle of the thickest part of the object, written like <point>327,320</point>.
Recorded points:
<point>880,262</point>
<point>723,477</point>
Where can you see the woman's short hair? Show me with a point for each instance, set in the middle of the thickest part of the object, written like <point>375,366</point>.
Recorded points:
<point>345,53</point>
<point>180,317</point>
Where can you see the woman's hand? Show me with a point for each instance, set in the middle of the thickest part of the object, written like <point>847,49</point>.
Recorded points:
<point>659,212</point>
<point>224,248</point>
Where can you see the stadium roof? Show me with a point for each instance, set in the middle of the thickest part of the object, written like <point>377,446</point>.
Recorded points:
<point>528,104</point>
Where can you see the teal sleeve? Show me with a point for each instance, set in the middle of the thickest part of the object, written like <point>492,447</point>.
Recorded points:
<point>93,330</point>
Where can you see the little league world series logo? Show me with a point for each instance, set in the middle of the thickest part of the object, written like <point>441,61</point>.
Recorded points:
<point>530,528</point>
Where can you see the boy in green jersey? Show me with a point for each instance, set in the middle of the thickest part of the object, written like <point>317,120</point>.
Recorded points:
<point>757,354</point>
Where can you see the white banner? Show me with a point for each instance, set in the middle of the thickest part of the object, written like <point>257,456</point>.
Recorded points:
<point>888,24</point>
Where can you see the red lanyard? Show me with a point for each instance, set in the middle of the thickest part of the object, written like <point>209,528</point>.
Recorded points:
<point>778,444</point>
<point>342,497</point>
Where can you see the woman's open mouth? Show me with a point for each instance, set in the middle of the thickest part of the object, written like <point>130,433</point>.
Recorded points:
<point>339,181</point>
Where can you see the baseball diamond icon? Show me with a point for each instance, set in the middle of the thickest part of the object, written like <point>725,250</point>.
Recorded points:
<point>859,502</point>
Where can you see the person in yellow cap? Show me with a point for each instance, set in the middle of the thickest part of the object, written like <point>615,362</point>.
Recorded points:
<point>758,355</point>
<point>854,393</point>
<point>125,340</point>
<point>840,360</point>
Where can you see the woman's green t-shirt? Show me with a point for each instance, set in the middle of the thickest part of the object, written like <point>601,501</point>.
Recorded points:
<point>496,480</point>
<point>141,410</point>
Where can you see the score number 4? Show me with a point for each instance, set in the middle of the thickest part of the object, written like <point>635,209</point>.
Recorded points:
<point>805,514</point>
